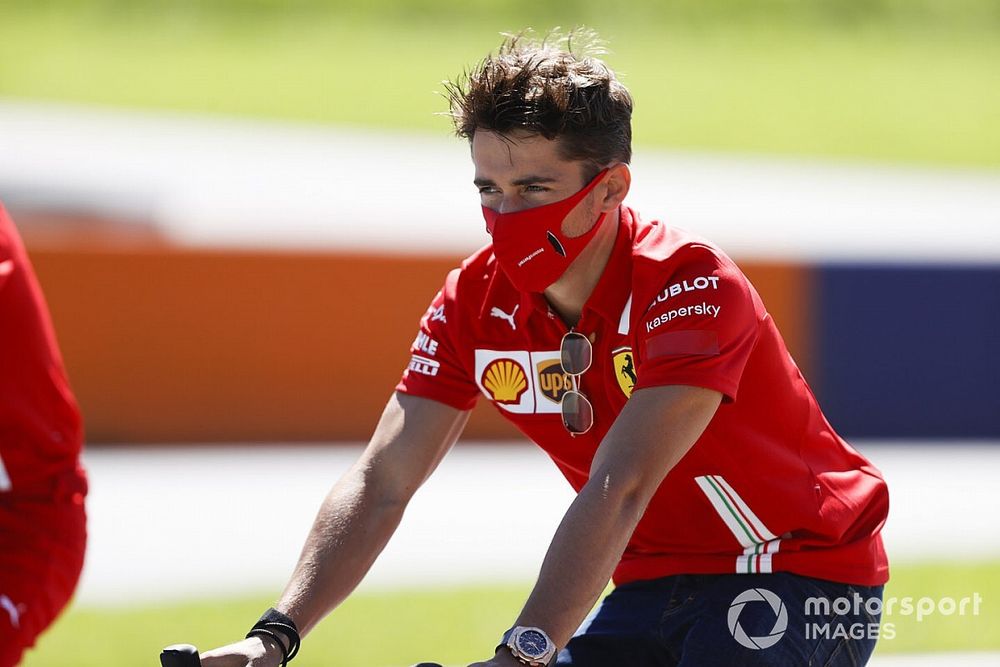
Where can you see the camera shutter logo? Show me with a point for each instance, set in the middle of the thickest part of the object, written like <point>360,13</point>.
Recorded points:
<point>780,618</point>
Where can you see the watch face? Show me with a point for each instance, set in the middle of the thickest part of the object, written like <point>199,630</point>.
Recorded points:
<point>532,643</point>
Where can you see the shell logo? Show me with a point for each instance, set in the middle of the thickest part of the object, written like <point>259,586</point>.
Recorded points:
<point>505,380</point>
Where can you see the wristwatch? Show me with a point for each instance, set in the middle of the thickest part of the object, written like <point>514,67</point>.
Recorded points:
<point>530,646</point>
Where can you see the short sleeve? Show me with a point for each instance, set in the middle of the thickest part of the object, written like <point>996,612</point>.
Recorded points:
<point>435,370</point>
<point>700,329</point>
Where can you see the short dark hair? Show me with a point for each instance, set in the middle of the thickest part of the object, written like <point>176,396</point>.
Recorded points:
<point>555,87</point>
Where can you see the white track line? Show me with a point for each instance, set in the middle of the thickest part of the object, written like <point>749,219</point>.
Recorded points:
<point>227,182</point>
<point>204,521</point>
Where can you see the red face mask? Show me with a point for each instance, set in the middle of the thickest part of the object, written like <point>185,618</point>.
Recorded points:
<point>530,246</point>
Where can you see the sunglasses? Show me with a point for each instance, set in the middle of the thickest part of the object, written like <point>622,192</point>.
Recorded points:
<point>575,356</point>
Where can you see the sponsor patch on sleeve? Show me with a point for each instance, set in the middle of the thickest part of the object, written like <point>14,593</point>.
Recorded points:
<point>678,343</point>
<point>424,343</point>
<point>670,304</point>
<point>423,365</point>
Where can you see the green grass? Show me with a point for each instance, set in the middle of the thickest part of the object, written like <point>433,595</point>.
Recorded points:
<point>874,90</point>
<point>456,626</point>
<point>369,630</point>
<point>939,632</point>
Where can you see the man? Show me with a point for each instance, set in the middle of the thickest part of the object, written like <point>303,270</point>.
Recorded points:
<point>42,484</point>
<point>643,362</point>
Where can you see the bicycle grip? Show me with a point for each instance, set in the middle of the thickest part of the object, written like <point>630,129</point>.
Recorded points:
<point>180,655</point>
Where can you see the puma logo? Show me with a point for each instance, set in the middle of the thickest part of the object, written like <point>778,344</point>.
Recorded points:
<point>496,312</point>
<point>12,611</point>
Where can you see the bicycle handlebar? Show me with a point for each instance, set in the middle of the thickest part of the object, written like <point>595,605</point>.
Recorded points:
<point>185,655</point>
<point>180,655</point>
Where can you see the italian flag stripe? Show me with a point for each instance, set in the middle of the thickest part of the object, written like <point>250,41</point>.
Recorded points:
<point>759,528</point>
<point>731,518</point>
<point>757,541</point>
<point>734,507</point>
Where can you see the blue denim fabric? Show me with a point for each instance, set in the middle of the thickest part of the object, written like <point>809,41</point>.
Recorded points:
<point>685,621</point>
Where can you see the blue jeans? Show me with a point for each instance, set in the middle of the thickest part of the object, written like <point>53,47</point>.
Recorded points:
<point>728,620</point>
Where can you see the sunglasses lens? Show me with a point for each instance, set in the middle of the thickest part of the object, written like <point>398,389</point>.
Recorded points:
<point>575,353</point>
<point>577,412</point>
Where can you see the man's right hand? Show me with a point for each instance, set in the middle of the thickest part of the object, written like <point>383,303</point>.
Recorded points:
<point>251,652</point>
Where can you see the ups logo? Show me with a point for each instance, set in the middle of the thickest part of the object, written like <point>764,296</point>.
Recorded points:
<point>552,381</point>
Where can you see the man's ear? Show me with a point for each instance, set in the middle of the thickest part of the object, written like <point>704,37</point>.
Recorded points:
<point>616,186</point>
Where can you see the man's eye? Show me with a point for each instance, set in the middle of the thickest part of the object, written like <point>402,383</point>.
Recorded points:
<point>488,190</point>
<point>536,188</point>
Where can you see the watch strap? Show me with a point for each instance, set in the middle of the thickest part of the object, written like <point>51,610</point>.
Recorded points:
<point>504,639</point>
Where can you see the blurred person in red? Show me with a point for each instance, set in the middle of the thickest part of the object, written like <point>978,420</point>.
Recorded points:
<point>710,487</point>
<point>42,482</point>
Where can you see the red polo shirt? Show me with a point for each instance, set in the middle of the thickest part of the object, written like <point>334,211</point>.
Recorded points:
<point>42,484</point>
<point>768,487</point>
<point>40,428</point>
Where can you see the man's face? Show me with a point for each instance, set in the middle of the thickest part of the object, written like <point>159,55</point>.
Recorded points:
<point>521,171</point>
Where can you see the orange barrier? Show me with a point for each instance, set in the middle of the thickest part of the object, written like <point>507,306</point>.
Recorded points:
<point>789,293</point>
<point>166,344</point>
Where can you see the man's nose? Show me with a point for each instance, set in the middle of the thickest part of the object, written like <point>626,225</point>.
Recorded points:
<point>512,204</point>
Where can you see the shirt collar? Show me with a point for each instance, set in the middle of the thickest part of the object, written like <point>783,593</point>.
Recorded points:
<point>613,288</point>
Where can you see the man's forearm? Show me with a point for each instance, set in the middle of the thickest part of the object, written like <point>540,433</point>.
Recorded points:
<point>654,431</point>
<point>584,552</point>
<point>357,518</point>
<point>351,529</point>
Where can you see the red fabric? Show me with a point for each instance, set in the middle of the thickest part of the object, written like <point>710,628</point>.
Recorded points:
<point>40,428</point>
<point>530,245</point>
<point>682,343</point>
<point>41,555</point>
<point>42,484</point>
<point>670,308</point>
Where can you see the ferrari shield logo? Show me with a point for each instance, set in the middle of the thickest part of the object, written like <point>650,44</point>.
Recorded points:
<point>624,369</point>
